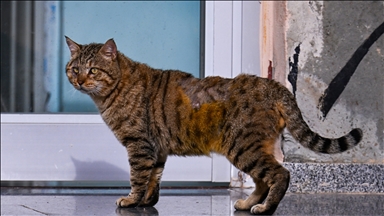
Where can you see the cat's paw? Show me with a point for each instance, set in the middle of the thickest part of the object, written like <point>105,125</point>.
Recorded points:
<point>241,205</point>
<point>151,201</point>
<point>259,209</point>
<point>126,202</point>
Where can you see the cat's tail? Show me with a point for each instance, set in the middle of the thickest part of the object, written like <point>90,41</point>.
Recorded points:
<point>309,139</point>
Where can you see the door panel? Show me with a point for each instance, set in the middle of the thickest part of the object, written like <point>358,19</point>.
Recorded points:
<point>63,147</point>
<point>70,151</point>
<point>71,147</point>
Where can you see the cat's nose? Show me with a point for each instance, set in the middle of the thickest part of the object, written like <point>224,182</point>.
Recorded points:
<point>80,82</point>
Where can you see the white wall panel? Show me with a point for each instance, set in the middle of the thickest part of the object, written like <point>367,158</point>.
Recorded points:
<point>60,148</point>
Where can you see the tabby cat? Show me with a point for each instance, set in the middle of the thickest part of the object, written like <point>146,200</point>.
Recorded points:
<point>155,113</point>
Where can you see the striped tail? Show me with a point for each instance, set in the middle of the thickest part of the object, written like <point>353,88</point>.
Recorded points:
<point>309,139</point>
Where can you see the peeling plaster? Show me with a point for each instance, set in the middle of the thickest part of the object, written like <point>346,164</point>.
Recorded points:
<point>329,34</point>
<point>308,33</point>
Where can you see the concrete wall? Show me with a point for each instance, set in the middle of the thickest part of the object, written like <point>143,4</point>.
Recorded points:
<point>329,32</point>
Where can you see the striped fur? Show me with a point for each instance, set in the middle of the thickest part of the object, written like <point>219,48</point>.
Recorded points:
<point>155,113</point>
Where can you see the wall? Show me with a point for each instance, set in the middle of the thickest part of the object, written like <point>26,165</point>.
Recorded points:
<point>329,33</point>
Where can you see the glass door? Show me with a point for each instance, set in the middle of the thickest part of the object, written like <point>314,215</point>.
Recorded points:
<point>50,132</point>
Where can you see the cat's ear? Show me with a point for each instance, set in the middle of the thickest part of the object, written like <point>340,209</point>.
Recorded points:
<point>109,50</point>
<point>73,46</point>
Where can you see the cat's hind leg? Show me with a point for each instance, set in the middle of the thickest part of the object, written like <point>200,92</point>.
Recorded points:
<point>276,177</point>
<point>257,196</point>
<point>271,178</point>
<point>151,196</point>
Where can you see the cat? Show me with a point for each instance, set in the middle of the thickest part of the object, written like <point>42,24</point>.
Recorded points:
<point>155,113</point>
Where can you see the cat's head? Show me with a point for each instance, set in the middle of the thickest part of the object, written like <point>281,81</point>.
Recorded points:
<point>93,68</point>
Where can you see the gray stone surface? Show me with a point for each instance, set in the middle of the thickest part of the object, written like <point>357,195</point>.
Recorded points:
<point>194,202</point>
<point>336,178</point>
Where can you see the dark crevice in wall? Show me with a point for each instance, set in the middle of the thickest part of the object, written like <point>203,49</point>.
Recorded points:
<point>270,70</point>
<point>292,76</point>
<point>338,84</point>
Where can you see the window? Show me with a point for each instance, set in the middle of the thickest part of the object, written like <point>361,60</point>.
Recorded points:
<point>34,53</point>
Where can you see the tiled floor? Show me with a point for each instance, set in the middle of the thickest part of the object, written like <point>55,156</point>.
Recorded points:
<point>16,201</point>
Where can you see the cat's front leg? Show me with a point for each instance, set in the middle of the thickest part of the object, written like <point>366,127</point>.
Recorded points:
<point>152,195</point>
<point>142,159</point>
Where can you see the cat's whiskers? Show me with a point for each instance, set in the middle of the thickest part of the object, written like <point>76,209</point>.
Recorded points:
<point>98,90</point>
<point>95,91</point>
<point>71,92</point>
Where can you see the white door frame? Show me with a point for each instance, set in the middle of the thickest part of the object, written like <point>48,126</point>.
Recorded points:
<point>231,48</point>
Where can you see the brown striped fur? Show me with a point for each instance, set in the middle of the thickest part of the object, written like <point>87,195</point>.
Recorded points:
<point>155,113</point>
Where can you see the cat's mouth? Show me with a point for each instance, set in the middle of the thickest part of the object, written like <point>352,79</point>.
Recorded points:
<point>82,88</point>
<point>88,90</point>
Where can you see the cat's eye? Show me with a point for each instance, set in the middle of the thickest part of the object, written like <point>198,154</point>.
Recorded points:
<point>94,70</point>
<point>75,70</point>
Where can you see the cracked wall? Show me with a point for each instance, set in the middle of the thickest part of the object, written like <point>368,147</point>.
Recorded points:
<point>329,33</point>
